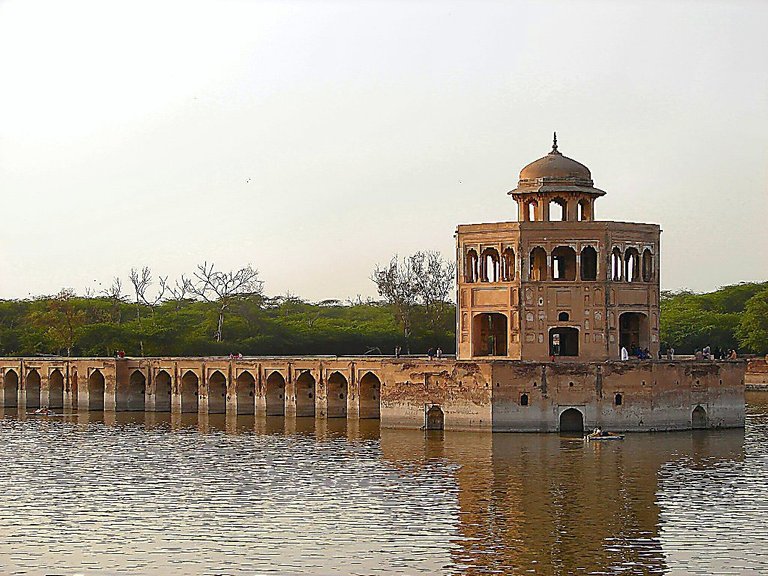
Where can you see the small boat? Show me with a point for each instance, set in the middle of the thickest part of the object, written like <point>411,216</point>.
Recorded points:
<point>604,436</point>
<point>43,413</point>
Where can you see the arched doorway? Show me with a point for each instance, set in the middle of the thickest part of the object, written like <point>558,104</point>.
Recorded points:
<point>275,394</point>
<point>634,334</point>
<point>699,418</point>
<point>564,341</point>
<point>10,389</point>
<point>96,391</point>
<point>572,420</point>
<point>370,396</point>
<point>217,393</point>
<point>489,334</point>
<point>435,418</point>
<point>189,392</point>
<point>162,391</point>
<point>32,385</point>
<point>336,393</point>
<point>305,394</point>
<point>133,400</point>
<point>56,389</point>
<point>245,386</point>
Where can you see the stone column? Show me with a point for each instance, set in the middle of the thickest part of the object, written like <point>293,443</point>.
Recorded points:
<point>321,396</point>
<point>353,393</point>
<point>290,394</point>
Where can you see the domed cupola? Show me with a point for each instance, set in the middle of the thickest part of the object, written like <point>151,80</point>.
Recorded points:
<point>559,179</point>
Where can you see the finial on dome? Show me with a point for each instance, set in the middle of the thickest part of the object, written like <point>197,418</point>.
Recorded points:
<point>554,144</point>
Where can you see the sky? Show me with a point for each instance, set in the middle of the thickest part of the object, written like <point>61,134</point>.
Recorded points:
<point>315,140</point>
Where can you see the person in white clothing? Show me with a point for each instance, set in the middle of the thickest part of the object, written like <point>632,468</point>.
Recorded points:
<point>624,353</point>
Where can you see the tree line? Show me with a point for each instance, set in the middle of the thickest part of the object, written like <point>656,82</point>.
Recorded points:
<point>216,312</point>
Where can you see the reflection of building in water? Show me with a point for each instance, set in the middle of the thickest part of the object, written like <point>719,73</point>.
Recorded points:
<point>537,503</point>
<point>557,282</point>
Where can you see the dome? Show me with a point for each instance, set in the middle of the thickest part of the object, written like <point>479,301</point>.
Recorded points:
<point>556,173</point>
<point>555,166</point>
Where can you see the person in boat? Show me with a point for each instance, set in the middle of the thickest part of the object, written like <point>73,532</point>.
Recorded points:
<point>42,410</point>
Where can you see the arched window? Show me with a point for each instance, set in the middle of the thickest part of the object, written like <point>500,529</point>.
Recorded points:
<point>584,210</point>
<point>563,317</point>
<point>508,264</point>
<point>489,265</point>
<point>470,266</point>
<point>616,265</point>
<point>524,400</point>
<point>538,269</point>
<point>588,263</point>
<point>531,207</point>
<point>558,210</point>
<point>647,265</point>
<point>631,265</point>
<point>563,263</point>
<point>618,400</point>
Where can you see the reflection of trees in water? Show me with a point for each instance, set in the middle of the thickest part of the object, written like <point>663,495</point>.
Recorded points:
<point>555,506</point>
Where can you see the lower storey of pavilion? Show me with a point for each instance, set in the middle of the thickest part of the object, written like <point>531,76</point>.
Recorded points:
<point>491,395</point>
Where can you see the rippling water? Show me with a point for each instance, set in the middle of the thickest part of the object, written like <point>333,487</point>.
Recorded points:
<point>151,494</point>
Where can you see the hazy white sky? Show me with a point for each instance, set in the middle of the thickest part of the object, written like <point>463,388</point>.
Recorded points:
<point>316,139</point>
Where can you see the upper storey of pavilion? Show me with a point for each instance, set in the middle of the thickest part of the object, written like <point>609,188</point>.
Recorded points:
<point>557,179</point>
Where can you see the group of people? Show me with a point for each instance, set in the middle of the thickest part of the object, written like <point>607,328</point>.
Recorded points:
<point>719,354</point>
<point>636,351</point>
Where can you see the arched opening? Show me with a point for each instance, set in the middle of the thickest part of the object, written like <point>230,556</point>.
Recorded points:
<point>508,265</point>
<point>524,400</point>
<point>634,334</point>
<point>305,394</point>
<point>647,265</point>
<point>96,391</point>
<point>489,334</point>
<point>32,385</point>
<point>162,391</point>
<point>10,389</point>
<point>217,393</point>
<point>189,392</point>
<point>435,418</point>
<point>699,418</point>
<point>245,387</point>
<point>538,268</point>
<point>618,399</point>
<point>137,385</point>
<point>631,265</point>
<point>336,394</point>
<point>616,265</point>
<point>563,341</point>
<point>563,317</point>
<point>531,208</point>
<point>370,396</point>
<point>56,389</point>
<point>558,210</point>
<point>563,263</point>
<point>584,209</point>
<point>572,420</point>
<point>275,394</point>
<point>588,263</point>
<point>470,266</point>
<point>489,265</point>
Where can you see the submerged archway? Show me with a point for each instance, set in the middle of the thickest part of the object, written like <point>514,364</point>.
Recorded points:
<point>370,396</point>
<point>32,385</point>
<point>305,394</point>
<point>56,389</point>
<point>572,420</point>
<point>336,395</point>
<point>162,391</point>
<point>96,391</point>
<point>275,394</point>
<point>217,393</point>
<point>10,389</point>
<point>189,392</point>
<point>435,418</point>
<point>131,397</point>
<point>699,418</point>
<point>246,392</point>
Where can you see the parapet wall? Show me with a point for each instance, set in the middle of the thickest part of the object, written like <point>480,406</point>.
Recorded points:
<point>498,395</point>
